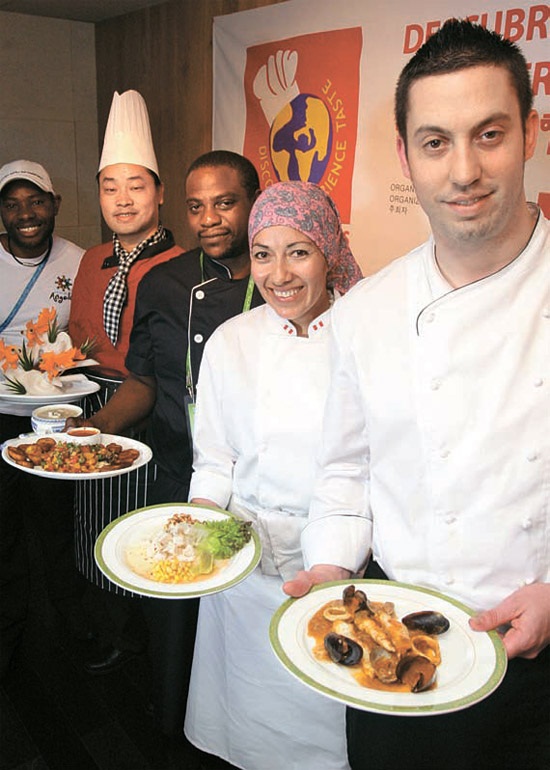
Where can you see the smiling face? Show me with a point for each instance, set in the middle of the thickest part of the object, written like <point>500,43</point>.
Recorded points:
<point>466,149</point>
<point>290,272</point>
<point>130,200</point>
<point>28,214</point>
<point>218,207</point>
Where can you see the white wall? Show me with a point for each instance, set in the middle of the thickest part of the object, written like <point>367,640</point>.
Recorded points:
<point>48,112</point>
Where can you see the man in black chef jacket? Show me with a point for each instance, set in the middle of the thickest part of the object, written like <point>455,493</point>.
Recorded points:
<point>179,304</point>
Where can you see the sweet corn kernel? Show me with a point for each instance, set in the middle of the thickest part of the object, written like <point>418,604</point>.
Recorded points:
<point>172,571</point>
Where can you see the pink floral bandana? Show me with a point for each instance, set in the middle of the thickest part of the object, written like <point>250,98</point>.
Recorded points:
<point>307,208</point>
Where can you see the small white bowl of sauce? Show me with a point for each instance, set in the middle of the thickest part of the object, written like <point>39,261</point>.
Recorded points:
<point>82,435</point>
<point>52,418</point>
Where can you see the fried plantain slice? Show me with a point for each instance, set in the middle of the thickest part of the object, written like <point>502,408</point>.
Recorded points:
<point>128,455</point>
<point>16,453</point>
<point>19,457</point>
<point>46,444</point>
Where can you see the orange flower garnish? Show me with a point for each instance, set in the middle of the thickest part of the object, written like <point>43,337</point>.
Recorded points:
<point>37,329</point>
<point>34,333</point>
<point>46,316</point>
<point>55,363</point>
<point>44,332</point>
<point>9,355</point>
<point>79,355</point>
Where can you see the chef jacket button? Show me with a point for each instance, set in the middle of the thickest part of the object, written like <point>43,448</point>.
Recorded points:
<point>528,581</point>
<point>444,454</point>
<point>532,456</point>
<point>450,518</point>
<point>527,523</point>
<point>538,382</point>
<point>435,384</point>
<point>546,312</point>
<point>198,338</point>
<point>430,318</point>
<point>199,294</point>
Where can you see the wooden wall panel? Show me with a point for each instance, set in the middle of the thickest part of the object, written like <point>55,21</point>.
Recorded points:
<point>165,53</point>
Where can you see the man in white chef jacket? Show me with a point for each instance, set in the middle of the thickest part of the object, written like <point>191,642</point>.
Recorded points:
<point>436,453</point>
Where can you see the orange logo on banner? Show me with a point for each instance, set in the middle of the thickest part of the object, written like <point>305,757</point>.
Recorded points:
<point>301,111</point>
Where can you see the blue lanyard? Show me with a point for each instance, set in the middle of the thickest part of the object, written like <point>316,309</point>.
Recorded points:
<point>25,293</point>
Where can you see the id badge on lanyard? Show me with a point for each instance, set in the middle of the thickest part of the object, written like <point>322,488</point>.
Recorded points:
<point>190,414</point>
<point>189,400</point>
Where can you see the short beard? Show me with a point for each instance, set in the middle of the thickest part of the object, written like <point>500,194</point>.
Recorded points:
<point>233,252</point>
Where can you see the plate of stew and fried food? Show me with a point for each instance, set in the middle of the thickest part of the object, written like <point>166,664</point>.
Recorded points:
<point>177,550</point>
<point>54,458</point>
<point>389,647</point>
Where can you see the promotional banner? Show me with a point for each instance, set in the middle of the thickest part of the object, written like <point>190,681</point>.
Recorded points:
<point>305,90</point>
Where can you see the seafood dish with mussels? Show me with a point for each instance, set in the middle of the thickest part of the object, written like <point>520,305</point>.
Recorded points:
<point>382,651</point>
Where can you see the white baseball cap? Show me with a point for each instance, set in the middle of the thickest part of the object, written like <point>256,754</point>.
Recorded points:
<point>128,134</point>
<point>28,170</point>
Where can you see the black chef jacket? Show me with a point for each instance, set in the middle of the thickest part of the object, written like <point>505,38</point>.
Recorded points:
<point>178,306</point>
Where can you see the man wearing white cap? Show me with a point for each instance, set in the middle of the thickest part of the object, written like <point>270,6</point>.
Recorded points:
<point>130,196</point>
<point>38,269</point>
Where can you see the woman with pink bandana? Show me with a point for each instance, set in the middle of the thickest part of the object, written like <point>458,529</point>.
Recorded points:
<point>261,394</point>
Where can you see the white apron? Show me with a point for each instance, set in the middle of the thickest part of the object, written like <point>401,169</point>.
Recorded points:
<point>243,705</point>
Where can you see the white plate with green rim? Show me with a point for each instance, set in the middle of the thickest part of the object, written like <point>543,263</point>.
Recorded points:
<point>128,531</point>
<point>472,666</point>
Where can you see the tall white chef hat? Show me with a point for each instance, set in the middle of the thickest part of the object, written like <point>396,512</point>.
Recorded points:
<point>128,134</point>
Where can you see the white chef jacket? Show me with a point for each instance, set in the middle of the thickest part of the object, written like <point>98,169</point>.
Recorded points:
<point>437,444</point>
<point>260,401</point>
<point>261,396</point>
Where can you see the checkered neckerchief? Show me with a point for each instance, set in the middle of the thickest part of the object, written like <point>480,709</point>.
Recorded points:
<point>116,292</point>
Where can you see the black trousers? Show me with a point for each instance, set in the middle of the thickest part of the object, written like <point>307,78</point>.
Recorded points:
<point>43,508</point>
<point>509,730</point>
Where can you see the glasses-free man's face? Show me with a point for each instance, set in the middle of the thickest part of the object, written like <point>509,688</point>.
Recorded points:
<point>466,149</point>
<point>28,214</point>
<point>130,200</point>
<point>218,207</point>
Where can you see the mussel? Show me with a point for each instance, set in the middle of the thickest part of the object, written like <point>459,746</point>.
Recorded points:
<point>417,672</point>
<point>343,650</point>
<point>355,600</point>
<point>427,621</point>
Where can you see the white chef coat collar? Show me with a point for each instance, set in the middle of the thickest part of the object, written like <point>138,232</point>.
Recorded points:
<point>439,286</point>
<point>284,326</point>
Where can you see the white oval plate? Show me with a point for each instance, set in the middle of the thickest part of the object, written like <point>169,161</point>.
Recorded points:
<point>473,663</point>
<point>145,455</point>
<point>134,527</point>
<point>75,387</point>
